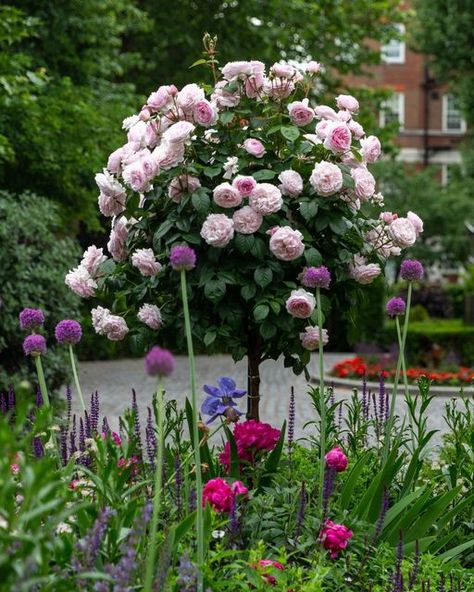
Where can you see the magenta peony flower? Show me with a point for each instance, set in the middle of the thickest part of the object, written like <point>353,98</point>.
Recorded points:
<point>395,307</point>
<point>34,345</point>
<point>68,332</point>
<point>335,537</point>
<point>336,459</point>
<point>315,277</point>
<point>182,258</point>
<point>251,437</point>
<point>264,563</point>
<point>411,270</point>
<point>159,362</point>
<point>300,304</point>
<point>220,495</point>
<point>31,318</point>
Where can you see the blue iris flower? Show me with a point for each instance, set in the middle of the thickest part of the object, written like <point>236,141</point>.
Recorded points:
<point>221,398</point>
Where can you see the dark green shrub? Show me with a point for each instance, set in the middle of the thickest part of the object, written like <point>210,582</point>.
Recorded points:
<point>33,262</point>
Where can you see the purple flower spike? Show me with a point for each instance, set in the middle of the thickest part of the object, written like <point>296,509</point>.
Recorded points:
<point>159,362</point>
<point>411,270</point>
<point>315,277</point>
<point>395,307</point>
<point>220,400</point>
<point>34,345</point>
<point>31,318</point>
<point>182,258</point>
<point>68,332</point>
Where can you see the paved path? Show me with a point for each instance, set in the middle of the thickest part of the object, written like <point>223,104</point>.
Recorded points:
<point>115,379</point>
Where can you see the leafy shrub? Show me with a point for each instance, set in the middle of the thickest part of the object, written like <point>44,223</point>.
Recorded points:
<point>32,264</point>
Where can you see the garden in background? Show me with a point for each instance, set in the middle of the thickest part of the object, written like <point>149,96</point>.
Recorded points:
<point>245,205</point>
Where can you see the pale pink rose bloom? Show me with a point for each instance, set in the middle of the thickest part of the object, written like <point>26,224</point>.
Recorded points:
<point>325,112</point>
<point>326,178</point>
<point>182,184</point>
<point>364,183</point>
<point>130,121</point>
<point>111,206</point>
<point>244,185</point>
<point>363,272</point>
<point>347,102</point>
<point>217,230</point>
<point>144,114</point>
<point>402,232</point>
<point>344,116</point>
<point>114,327</point>
<point>350,160</point>
<point>129,152</point>
<point>300,113</point>
<point>137,133</point>
<point>233,70</point>
<point>301,304</point>
<point>118,237</point>
<point>114,162</point>
<point>153,132</point>
<point>179,132</point>
<point>150,315</point>
<point>223,97</point>
<point>370,148</point>
<point>338,138</point>
<point>80,281</point>
<point>99,315</point>
<point>205,113</point>
<point>356,129</point>
<point>286,244</point>
<point>149,165</point>
<point>168,155</point>
<point>188,96</point>
<point>278,88</point>
<point>322,128</point>
<point>387,217</point>
<point>246,220</point>
<point>416,221</point>
<point>266,199</point>
<point>381,242</point>
<point>291,183</point>
<point>313,138</point>
<point>313,67</point>
<point>283,70</point>
<point>255,81</point>
<point>144,260</point>
<point>160,99</point>
<point>109,185</point>
<point>226,196</point>
<point>310,338</point>
<point>254,147</point>
<point>92,258</point>
<point>135,176</point>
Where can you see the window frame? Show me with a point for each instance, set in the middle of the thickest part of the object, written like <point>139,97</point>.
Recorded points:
<point>401,58</point>
<point>445,128</point>
<point>401,111</point>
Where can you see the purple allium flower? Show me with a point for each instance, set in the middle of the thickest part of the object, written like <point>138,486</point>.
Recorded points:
<point>395,306</point>
<point>159,362</point>
<point>34,345</point>
<point>411,270</point>
<point>31,318</point>
<point>182,258</point>
<point>220,400</point>
<point>315,277</point>
<point>68,331</point>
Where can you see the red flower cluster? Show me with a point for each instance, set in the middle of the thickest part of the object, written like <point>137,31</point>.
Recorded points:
<point>220,494</point>
<point>358,367</point>
<point>251,437</point>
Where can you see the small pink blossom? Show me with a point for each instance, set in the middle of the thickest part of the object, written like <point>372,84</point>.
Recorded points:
<point>217,230</point>
<point>150,315</point>
<point>160,99</point>
<point>234,70</point>
<point>301,304</point>
<point>336,459</point>
<point>325,112</point>
<point>114,162</point>
<point>182,184</point>
<point>300,113</point>
<point>112,326</point>
<point>291,183</point>
<point>356,129</point>
<point>370,149</point>
<point>402,232</point>
<point>226,196</point>
<point>266,199</point>
<point>364,183</point>
<point>326,178</point>
<point>335,537</point>
<point>338,138</point>
<point>244,185</point>
<point>322,128</point>
<point>283,70</point>
<point>313,67</point>
<point>310,338</point>
<point>416,221</point>
<point>144,260</point>
<point>286,244</point>
<point>247,220</point>
<point>254,147</point>
<point>179,132</point>
<point>387,217</point>
<point>265,563</point>
<point>362,272</point>
<point>347,102</point>
<point>118,238</point>
<point>189,96</point>
<point>92,258</point>
<point>169,155</point>
<point>223,98</point>
<point>80,281</point>
<point>205,113</point>
<point>220,495</point>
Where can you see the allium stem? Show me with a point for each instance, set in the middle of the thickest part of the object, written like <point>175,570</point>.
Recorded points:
<point>197,451</point>
<point>401,354</point>
<point>151,554</point>
<point>76,377</point>
<point>322,400</point>
<point>42,382</point>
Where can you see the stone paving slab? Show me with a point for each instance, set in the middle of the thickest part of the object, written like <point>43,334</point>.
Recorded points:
<point>115,379</point>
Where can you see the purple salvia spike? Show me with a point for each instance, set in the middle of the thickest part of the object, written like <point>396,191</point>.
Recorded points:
<point>11,398</point>
<point>328,487</point>
<point>39,397</point>
<point>96,411</point>
<point>136,418</point>
<point>301,511</point>
<point>381,518</point>
<point>413,576</point>
<point>386,406</point>
<point>87,549</point>
<point>38,450</point>
<point>87,425</point>
<point>68,405</point>
<point>376,415</point>
<point>365,407</point>
<point>339,418</point>
<point>178,483</point>
<point>150,436</point>
<point>382,397</point>
<point>72,437</point>
<point>442,582</point>
<point>82,436</point>
<point>291,419</point>
<point>234,518</point>
<point>192,500</point>
<point>398,576</point>
<point>105,426</point>
<point>63,444</point>
<point>3,403</point>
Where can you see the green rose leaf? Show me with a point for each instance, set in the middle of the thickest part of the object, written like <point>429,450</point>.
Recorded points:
<point>268,330</point>
<point>291,133</point>
<point>260,312</point>
<point>226,117</point>
<point>201,202</point>
<point>215,290</point>
<point>263,276</point>
<point>313,257</point>
<point>264,174</point>
<point>248,291</point>
<point>308,209</point>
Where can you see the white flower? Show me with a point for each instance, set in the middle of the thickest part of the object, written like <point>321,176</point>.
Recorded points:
<point>128,122</point>
<point>63,528</point>
<point>231,167</point>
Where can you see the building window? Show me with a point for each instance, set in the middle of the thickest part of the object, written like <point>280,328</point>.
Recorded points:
<point>393,52</point>
<point>452,119</point>
<point>393,110</point>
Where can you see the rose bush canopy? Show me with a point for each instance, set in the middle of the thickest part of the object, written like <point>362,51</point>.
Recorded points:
<point>263,182</point>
